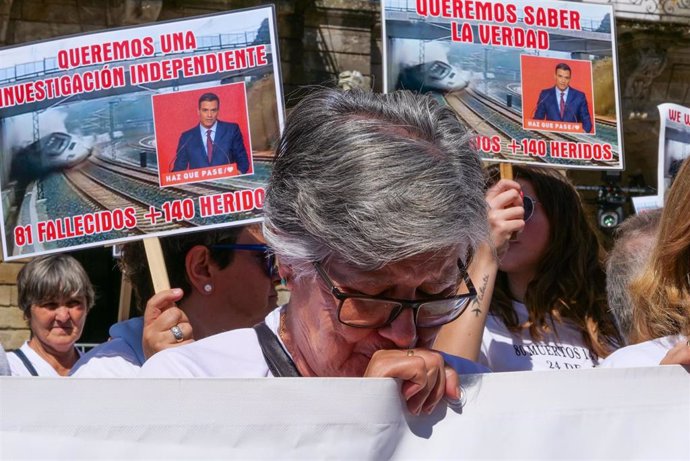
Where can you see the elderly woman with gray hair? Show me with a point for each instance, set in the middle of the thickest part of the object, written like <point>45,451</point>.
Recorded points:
<point>55,294</point>
<point>375,204</point>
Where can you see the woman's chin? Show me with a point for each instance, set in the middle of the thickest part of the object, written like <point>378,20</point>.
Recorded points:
<point>61,344</point>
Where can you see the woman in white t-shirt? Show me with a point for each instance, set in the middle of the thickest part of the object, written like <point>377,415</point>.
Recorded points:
<point>55,294</point>
<point>661,295</point>
<point>541,284</point>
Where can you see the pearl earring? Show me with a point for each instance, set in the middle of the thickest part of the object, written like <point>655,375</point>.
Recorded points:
<point>208,288</point>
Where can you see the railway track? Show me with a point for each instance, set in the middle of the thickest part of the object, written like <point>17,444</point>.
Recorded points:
<point>473,108</point>
<point>109,185</point>
<point>486,127</point>
<point>151,178</point>
<point>187,190</point>
<point>107,197</point>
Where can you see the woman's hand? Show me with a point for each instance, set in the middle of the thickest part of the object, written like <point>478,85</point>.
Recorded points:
<point>678,355</point>
<point>506,213</point>
<point>160,317</point>
<point>426,378</point>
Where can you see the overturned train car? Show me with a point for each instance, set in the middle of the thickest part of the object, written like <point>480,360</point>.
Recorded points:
<point>55,151</point>
<point>432,76</point>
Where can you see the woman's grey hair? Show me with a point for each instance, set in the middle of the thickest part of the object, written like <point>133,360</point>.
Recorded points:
<point>373,179</point>
<point>52,277</point>
<point>631,251</point>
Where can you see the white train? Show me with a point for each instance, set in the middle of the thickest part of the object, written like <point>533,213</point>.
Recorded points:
<point>432,76</point>
<point>55,151</point>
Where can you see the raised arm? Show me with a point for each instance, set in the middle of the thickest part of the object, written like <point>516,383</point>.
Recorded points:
<point>463,337</point>
<point>160,317</point>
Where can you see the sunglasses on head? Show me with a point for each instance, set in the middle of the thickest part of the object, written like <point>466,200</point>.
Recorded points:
<point>269,258</point>
<point>528,203</point>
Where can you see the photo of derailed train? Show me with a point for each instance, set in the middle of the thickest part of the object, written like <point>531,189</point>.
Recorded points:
<point>56,151</point>
<point>432,76</point>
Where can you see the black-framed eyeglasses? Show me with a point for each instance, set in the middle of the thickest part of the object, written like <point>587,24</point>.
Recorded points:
<point>528,203</point>
<point>269,258</point>
<point>364,311</point>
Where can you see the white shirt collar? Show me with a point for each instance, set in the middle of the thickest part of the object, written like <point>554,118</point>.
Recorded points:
<point>565,94</point>
<point>204,130</point>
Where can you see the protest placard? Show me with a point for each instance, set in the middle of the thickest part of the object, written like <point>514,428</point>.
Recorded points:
<point>674,145</point>
<point>138,132</point>
<point>536,81</point>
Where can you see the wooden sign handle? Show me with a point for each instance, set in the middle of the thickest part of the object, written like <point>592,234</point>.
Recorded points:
<point>159,273</point>
<point>125,299</point>
<point>506,170</point>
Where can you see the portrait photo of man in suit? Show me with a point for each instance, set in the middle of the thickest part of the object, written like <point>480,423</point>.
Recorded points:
<point>563,103</point>
<point>212,142</point>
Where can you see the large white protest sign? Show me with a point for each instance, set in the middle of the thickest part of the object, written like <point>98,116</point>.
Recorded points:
<point>641,413</point>
<point>137,132</point>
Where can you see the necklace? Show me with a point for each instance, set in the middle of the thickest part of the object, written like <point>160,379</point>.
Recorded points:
<point>281,326</point>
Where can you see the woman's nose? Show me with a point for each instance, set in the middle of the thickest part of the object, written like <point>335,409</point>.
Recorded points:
<point>402,331</point>
<point>62,314</point>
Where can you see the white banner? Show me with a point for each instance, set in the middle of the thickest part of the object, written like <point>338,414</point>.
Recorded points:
<point>582,414</point>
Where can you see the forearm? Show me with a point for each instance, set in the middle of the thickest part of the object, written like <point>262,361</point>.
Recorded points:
<point>463,337</point>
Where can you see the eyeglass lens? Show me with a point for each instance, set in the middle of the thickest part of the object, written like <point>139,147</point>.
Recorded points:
<point>270,264</point>
<point>528,205</point>
<point>376,313</point>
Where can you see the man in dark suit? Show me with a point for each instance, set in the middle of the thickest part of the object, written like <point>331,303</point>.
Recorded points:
<point>212,142</point>
<point>562,102</point>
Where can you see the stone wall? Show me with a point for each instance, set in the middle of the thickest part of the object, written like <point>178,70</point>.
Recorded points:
<point>13,328</point>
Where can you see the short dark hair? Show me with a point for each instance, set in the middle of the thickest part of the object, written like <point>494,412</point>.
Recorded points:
<point>209,97</point>
<point>135,267</point>
<point>560,65</point>
<point>51,277</point>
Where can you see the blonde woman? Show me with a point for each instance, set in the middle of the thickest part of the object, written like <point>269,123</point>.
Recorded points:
<point>661,295</point>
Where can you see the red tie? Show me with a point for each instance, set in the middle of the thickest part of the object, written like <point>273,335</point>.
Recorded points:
<point>209,141</point>
<point>562,104</point>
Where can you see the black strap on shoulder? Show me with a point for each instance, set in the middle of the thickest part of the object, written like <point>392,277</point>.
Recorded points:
<point>25,360</point>
<point>279,362</point>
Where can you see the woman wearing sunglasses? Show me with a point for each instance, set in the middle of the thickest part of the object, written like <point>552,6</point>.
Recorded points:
<point>542,295</point>
<point>373,205</point>
<point>225,280</point>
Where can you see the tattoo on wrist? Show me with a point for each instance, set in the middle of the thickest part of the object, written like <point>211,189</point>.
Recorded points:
<point>476,303</point>
<point>477,310</point>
